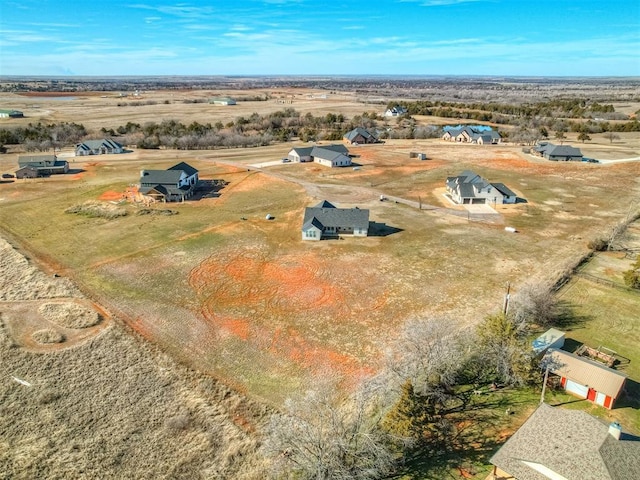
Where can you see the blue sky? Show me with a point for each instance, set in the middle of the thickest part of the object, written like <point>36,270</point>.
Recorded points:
<point>305,37</point>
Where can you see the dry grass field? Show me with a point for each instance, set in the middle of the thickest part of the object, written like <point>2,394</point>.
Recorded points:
<point>92,401</point>
<point>234,295</point>
<point>238,298</point>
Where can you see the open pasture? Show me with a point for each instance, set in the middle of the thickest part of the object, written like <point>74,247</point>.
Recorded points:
<point>232,294</point>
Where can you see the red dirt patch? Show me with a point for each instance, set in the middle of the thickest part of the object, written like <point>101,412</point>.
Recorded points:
<point>111,195</point>
<point>229,286</point>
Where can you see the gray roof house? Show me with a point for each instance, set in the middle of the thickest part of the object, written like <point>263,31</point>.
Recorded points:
<point>336,155</point>
<point>359,136</point>
<point>470,134</point>
<point>98,147</point>
<point>471,188</point>
<point>43,164</point>
<point>325,220</point>
<point>556,443</point>
<point>562,153</point>
<point>396,111</point>
<point>174,184</point>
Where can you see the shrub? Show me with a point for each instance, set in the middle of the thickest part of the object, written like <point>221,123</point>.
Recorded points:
<point>94,209</point>
<point>69,315</point>
<point>47,336</point>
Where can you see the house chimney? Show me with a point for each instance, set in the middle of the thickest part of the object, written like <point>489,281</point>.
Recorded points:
<point>615,430</point>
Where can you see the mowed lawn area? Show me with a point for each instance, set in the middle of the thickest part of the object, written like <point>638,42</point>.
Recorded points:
<point>230,293</point>
<point>603,314</point>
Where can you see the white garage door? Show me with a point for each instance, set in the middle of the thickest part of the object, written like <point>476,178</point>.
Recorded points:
<point>577,389</point>
<point>600,397</point>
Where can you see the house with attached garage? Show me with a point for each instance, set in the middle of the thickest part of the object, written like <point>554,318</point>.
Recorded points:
<point>472,134</point>
<point>336,155</point>
<point>585,378</point>
<point>560,444</point>
<point>558,153</point>
<point>175,184</point>
<point>325,220</point>
<point>98,147</point>
<point>359,136</point>
<point>471,188</point>
<point>42,164</point>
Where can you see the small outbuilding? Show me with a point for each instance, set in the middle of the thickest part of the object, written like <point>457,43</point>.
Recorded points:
<point>552,338</point>
<point>585,378</point>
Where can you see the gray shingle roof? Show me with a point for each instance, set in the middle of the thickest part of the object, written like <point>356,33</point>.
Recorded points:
<point>353,134</point>
<point>336,217</point>
<point>185,167</point>
<point>329,153</point>
<point>95,144</point>
<point>503,189</point>
<point>563,151</point>
<point>571,443</point>
<point>160,177</point>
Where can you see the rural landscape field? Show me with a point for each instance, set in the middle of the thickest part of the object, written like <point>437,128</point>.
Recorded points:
<point>219,308</point>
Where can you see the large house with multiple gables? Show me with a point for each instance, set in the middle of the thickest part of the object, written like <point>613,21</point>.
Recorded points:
<point>32,166</point>
<point>175,184</point>
<point>471,188</point>
<point>472,134</point>
<point>558,153</point>
<point>336,155</point>
<point>98,147</point>
<point>325,220</point>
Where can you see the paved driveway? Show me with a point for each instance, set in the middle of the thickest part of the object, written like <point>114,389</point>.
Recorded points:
<point>481,208</point>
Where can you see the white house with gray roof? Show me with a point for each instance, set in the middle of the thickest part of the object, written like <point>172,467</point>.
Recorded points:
<point>325,220</point>
<point>175,184</point>
<point>98,147</point>
<point>560,444</point>
<point>336,155</point>
<point>471,188</point>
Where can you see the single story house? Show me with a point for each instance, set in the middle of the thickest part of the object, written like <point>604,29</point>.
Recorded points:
<point>558,153</point>
<point>552,338</point>
<point>360,136</point>
<point>222,101</point>
<point>471,188</point>
<point>490,137</point>
<point>396,111</point>
<point>98,147</point>
<point>44,164</point>
<point>561,444</point>
<point>174,184</point>
<point>585,378</point>
<point>4,113</point>
<point>336,155</point>
<point>325,220</point>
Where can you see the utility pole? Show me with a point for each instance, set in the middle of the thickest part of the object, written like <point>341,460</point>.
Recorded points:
<point>544,384</point>
<point>505,308</point>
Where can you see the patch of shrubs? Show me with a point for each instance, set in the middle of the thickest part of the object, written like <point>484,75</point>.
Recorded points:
<point>96,209</point>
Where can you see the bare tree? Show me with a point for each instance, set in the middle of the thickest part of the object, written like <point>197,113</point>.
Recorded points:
<point>611,136</point>
<point>534,304</point>
<point>327,434</point>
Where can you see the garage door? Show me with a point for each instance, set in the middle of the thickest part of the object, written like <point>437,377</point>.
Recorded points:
<point>577,389</point>
<point>600,397</point>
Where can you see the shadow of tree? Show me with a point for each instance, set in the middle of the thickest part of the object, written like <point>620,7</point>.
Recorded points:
<point>567,318</point>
